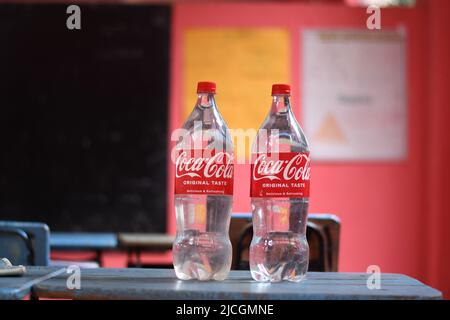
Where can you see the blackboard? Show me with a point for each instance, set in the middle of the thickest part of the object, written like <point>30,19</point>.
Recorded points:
<point>83,116</point>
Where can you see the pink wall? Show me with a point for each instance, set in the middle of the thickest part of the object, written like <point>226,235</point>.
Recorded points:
<point>384,206</point>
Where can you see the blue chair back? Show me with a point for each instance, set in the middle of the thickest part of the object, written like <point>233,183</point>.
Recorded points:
<point>26,243</point>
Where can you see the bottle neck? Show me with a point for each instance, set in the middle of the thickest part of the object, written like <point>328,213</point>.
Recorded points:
<point>281,104</point>
<point>206,100</point>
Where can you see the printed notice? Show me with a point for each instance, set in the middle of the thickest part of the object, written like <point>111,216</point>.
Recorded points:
<point>354,94</point>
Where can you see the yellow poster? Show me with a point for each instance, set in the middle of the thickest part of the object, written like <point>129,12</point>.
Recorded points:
<point>244,63</point>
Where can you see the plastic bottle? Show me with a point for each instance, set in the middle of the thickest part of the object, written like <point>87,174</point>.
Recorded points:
<point>203,192</point>
<point>280,173</point>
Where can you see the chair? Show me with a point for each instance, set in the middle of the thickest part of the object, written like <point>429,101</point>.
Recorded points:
<point>25,243</point>
<point>322,232</point>
<point>28,243</point>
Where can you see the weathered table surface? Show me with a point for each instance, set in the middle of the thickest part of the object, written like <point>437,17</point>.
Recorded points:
<point>162,284</point>
<point>17,287</point>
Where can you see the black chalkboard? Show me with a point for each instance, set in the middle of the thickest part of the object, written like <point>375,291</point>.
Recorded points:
<point>83,116</point>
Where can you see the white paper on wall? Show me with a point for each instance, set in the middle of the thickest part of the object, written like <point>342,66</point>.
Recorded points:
<point>354,94</point>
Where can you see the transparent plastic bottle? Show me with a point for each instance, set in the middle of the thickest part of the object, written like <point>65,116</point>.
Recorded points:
<point>280,195</point>
<point>203,192</point>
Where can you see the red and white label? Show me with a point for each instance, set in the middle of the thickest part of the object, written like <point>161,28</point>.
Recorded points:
<point>204,172</point>
<point>284,174</point>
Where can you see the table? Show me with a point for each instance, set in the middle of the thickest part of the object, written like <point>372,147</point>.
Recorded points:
<point>162,284</point>
<point>149,242</point>
<point>99,242</point>
<point>15,288</point>
<point>83,241</point>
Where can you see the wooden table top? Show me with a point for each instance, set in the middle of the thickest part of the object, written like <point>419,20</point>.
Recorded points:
<point>147,241</point>
<point>162,284</point>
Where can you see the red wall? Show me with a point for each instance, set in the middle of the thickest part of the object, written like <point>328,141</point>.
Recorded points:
<point>437,112</point>
<point>388,214</point>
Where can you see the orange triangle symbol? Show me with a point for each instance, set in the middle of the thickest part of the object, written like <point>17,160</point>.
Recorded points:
<point>329,131</point>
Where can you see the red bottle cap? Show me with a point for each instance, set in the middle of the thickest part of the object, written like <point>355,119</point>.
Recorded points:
<point>206,87</point>
<point>281,89</point>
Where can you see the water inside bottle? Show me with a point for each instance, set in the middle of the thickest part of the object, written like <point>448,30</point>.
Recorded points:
<point>202,249</point>
<point>279,250</point>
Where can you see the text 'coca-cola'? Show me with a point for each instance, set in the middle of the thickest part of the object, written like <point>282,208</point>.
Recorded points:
<point>204,172</point>
<point>285,174</point>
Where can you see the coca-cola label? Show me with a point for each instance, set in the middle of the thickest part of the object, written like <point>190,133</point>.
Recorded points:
<point>284,174</point>
<point>204,172</point>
